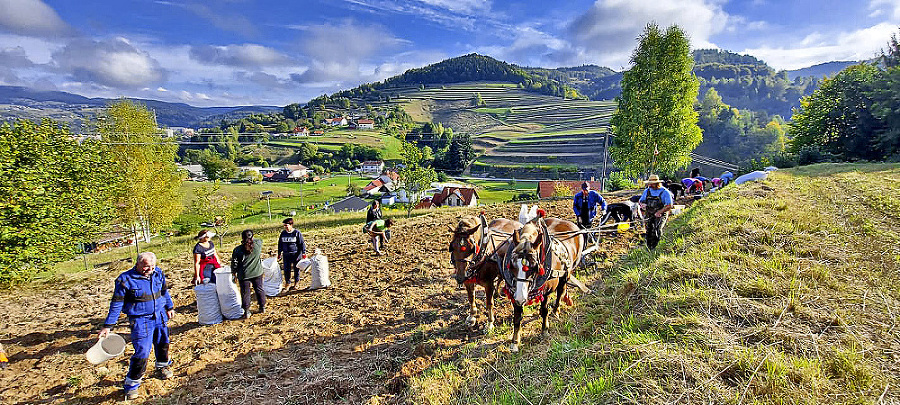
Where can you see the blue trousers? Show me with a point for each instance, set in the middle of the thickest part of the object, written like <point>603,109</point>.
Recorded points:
<point>147,332</point>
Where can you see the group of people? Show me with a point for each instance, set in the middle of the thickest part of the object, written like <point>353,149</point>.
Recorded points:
<point>142,293</point>
<point>656,201</point>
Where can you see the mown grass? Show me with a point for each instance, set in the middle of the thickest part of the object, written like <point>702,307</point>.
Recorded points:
<point>780,292</point>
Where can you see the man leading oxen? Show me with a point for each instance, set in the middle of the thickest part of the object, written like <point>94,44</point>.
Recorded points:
<point>476,249</point>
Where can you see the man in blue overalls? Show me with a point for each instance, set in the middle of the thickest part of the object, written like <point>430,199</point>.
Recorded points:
<point>142,294</point>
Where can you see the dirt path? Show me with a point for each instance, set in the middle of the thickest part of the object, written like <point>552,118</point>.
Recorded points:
<point>386,319</point>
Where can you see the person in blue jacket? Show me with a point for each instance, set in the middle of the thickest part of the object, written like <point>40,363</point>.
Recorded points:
<point>656,201</point>
<point>727,177</point>
<point>143,295</point>
<point>584,205</point>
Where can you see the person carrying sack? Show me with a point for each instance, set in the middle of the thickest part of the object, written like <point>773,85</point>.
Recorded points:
<point>656,201</point>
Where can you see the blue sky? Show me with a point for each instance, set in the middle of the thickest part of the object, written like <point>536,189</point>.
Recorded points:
<point>238,52</point>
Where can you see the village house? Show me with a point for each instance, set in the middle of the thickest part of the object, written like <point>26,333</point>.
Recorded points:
<point>301,131</point>
<point>336,122</point>
<point>365,124</point>
<point>371,167</point>
<point>286,173</point>
<point>350,204</point>
<point>456,197</point>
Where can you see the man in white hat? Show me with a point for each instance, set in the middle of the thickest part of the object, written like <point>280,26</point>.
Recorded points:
<point>656,201</point>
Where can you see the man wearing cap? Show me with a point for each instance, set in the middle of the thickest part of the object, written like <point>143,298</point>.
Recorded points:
<point>584,204</point>
<point>143,295</point>
<point>656,202</point>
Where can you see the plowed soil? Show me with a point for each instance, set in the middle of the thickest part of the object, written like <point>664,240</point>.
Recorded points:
<point>386,319</point>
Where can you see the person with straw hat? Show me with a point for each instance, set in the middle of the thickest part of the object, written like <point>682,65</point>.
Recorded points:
<point>656,201</point>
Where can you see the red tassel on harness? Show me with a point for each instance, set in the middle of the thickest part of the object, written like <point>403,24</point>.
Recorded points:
<point>525,268</point>
<point>541,270</point>
<point>541,213</point>
<point>462,248</point>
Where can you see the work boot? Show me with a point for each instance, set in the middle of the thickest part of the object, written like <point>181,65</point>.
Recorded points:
<point>164,373</point>
<point>246,314</point>
<point>131,395</point>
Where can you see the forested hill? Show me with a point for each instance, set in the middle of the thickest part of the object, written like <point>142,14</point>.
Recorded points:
<point>466,68</point>
<point>742,81</point>
<point>21,102</point>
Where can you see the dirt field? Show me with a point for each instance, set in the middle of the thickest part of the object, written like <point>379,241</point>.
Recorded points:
<point>385,320</point>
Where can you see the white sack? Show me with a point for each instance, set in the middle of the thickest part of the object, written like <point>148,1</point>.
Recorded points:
<point>272,277</point>
<point>318,271</point>
<point>229,296</point>
<point>208,312</point>
<point>752,176</point>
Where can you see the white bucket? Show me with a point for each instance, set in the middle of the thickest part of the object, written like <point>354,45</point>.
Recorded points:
<point>677,209</point>
<point>229,296</point>
<point>106,348</point>
<point>271,277</point>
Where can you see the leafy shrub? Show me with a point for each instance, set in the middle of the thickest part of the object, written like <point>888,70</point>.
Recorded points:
<point>619,181</point>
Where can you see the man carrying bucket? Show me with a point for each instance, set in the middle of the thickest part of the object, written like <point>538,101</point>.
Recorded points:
<point>142,294</point>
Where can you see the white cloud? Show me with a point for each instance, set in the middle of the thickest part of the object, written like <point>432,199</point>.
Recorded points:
<point>115,63</point>
<point>818,47</point>
<point>336,52</point>
<point>245,55</point>
<point>890,8</point>
<point>611,27</point>
<point>460,6</point>
<point>32,18</point>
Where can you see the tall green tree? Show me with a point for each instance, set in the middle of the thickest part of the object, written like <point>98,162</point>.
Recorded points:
<point>54,193</point>
<point>415,177</point>
<point>838,117</point>
<point>147,182</point>
<point>655,124</point>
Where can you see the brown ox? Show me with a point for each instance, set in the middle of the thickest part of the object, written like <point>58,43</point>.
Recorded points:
<point>475,251</point>
<point>539,262</point>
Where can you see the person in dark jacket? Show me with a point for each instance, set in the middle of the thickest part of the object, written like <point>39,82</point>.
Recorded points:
<point>143,295</point>
<point>291,249</point>
<point>246,266</point>
<point>374,212</point>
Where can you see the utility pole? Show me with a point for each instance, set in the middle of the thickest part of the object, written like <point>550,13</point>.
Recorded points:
<point>267,193</point>
<point>605,155</point>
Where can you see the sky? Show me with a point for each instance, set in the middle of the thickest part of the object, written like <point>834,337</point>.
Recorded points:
<point>262,52</point>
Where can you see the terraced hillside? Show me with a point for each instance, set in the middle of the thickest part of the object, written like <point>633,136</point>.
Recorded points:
<point>531,134</point>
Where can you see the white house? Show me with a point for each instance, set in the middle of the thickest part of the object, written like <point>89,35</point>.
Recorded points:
<point>365,124</point>
<point>372,167</point>
<point>296,171</point>
<point>336,122</point>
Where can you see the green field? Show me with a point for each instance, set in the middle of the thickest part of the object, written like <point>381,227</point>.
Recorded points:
<point>516,127</point>
<point>334,139</point>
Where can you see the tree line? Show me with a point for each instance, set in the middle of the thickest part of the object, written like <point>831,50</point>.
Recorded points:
<point>852,116</point>
<point>58,190</point>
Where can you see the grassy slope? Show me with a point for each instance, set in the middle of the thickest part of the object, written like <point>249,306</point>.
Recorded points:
<point>775,292</point>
